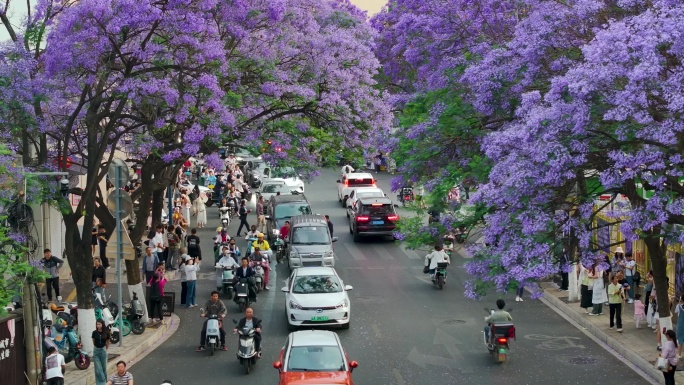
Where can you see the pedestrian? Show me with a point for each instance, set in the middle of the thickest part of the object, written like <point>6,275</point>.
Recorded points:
<point>121,377</point>
<point>55,366</point>
<point>598,296</point>
<point>679,310</point>
<point>330,225</point>
<point>519,292</point>
<point>586,290</point>
<point>243,216</point>
<point>186,204</point>
<point>669,352</point>
<point>165,237</point>
<point>99,278</point>
<point>647,292</point>
<point>174,246</point>
<point>94,241</point>
<point>615,293</point>
<point>183,277</point>
<point>261,215</point>
<point>102,240</point>
<point>149,264</point>
<point>639,310</point>
<point>630,269</point>
<point>157,243</point>
<point>200,210</point>
<point>618,263</point>
<point>193,242</point>
<point>574,283</point>
<point>101,341</point>
<point>191,267</point>
<point>564,272</point>
<point>51,264</point>
<point>157,294</point>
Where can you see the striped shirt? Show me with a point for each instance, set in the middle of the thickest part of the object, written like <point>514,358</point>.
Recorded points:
<point>116,379</point>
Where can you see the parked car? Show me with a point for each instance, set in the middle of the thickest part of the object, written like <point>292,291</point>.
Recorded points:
<point>314,357</point>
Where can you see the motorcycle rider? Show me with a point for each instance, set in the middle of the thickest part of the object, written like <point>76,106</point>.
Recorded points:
<point>263,245</point>
<point>227,259</point>
<point>285,231</point>
<point>253,323</point>
<point>214,306</point>
<point>258,256</point>
<point>496,317</point>
<point>434,258</point>
<point>247,272</point>
<point>233,249</point>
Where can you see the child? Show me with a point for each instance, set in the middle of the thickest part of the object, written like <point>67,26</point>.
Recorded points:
<point>639,310</point>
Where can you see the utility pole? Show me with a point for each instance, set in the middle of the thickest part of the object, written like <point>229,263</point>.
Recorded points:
<point>32,312</point>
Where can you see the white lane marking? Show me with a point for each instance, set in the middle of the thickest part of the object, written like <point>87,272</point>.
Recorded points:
<point>410,253</point>
<point>398,377</point>
<point>376,330</point>
<point>354,251</point>
<point>382,252</point>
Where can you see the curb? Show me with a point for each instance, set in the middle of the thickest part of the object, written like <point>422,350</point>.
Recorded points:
<point>602,336</point>
<point>134,354</point>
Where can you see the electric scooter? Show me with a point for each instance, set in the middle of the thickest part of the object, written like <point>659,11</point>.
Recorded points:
<point>213,333</point>
<point>246,352</point>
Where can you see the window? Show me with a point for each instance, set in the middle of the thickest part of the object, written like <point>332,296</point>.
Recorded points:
<point>274,188</point>
<point>316,284</point>
<point>284,172</point>
<point>370,194</point>
<point>288,210</point>
<point>360,182</point>
<point>311,235</point>
<point>378,210</point>
<point>316,358</point>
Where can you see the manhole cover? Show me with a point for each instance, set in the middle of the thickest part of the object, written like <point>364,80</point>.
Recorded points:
<point>453,322</point>
<point>583,360</point>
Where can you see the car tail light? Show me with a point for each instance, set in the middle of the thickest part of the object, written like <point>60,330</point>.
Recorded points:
<point>376,204</point>
<point>362,218</point>
<point>346,183</point>
<point>392,217</point>
<point>502,341</point>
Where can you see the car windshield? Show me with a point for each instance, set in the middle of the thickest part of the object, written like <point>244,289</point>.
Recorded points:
<point>274,188</point>
<point>311,235</point>
<point>288,210</point>
<point>316,359</point>
<point>316,284</point>
<point>378,210</point>
<point>283,172</point>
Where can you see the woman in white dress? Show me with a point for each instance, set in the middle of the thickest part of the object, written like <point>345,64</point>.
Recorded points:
<point>200,210</point>
<point>573,282</point>
<point>599,296</point>
<point>186,205</point>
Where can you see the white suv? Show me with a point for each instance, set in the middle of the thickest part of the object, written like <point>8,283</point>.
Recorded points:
<point>363,192</point>
<point>351,181</point>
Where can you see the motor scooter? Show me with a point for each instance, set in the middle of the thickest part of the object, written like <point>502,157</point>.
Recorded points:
<point>259,273</point>
<point>135,315</point>
<point>246,352</point>
<point>279,245</point>
<point>500,335</point>
<point>213,333</point>
<point>405,195</point>
<point>225,216</point>
<point>103,311</point>
<point>439,279</point>
<point>242,294</point>
<point>64,338</point>
<point>250,248</point>
<point>224,279</point>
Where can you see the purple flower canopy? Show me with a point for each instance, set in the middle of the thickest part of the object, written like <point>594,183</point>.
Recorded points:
<point>576,95</point>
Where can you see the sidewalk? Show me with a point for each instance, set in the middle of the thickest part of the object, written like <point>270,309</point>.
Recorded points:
<point>638,346</point>
<point>135,348</point>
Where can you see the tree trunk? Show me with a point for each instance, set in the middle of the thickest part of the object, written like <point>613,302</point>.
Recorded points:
<point>657,251</point>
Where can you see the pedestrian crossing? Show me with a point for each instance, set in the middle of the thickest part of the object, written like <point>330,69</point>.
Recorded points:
<point>381,251</point>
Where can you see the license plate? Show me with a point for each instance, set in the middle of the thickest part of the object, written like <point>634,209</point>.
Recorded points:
<point>378,222</point>
<point>319,318</point>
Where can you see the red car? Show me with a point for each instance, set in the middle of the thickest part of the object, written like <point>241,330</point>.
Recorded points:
<point>314,357</point>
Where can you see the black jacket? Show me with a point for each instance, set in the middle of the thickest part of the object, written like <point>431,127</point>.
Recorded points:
<point>239,274</point>
<point>255,321</point>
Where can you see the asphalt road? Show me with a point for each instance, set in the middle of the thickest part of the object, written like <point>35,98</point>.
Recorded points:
<point>403,332</point>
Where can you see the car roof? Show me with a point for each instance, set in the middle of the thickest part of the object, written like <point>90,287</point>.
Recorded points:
<point>309,219</point>
<point>364,189</point>
<point>315,270</point>
<point>354,175</point>
<point>314,338</point>
<point>371,200</point>
<point>273,181</point>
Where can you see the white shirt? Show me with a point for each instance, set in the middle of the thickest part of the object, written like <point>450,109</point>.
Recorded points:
<point>436,257</point>
<point>629,265</point>
<point>157,240</point>
<point>53,366</point>
<point>227,261</point>
<point>191,272</point>
<point>344,169</point>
